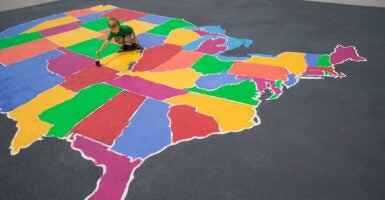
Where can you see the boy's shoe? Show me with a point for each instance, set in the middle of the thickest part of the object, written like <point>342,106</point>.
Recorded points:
<point>126,47</point>
<point>137,46</point>
<point>123,48</point>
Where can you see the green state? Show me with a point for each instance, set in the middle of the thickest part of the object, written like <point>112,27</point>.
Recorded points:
<point>211,65</point>
<point>278,84</point>
<point>66,115</point>
<point>89,47</point>
<point>97,25</point>
<point>19,39</point>
<point>273,97</point>
<point>172,24</point>
<point>244,92</point>
<point>324,61</point>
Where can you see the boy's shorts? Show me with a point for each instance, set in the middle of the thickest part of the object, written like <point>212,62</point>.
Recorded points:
<point>127,39</point>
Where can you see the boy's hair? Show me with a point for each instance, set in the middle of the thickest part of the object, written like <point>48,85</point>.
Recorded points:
<point>113,22</point>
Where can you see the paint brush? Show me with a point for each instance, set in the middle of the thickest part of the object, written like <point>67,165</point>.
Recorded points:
<point>97,62</point>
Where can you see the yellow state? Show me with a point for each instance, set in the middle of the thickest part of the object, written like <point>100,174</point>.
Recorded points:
<point>139,26</point>
<point>182,78</point>
<point>231,116</point>
<point>181,37</point>
<point>30,128</point>
<point>121,61</point>
<point>102,7</point>
<point>294,62</point>
<point>72,37</point>
<point>52,23</point>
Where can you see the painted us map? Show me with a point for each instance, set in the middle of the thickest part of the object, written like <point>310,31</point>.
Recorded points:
<point>181,87</point>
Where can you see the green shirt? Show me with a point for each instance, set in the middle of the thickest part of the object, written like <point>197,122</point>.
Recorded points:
<point>123,31</point>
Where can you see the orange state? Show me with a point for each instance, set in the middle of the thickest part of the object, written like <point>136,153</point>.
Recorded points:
<point>24,51</point>
<point>187,123</point>
<point>182,60</point>
<point>259,71</point>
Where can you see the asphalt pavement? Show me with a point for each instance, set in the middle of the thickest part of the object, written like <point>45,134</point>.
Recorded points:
<point>323,139</point>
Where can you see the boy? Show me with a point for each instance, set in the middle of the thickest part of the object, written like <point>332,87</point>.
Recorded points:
<point>123,35</point>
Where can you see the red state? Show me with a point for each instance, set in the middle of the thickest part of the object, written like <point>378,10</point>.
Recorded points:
<point>107,122</point>
<point>323,69</point>
<point>156,56</point>
<point>124,14</point>
<point>88,76</point>
<point>186,123</point>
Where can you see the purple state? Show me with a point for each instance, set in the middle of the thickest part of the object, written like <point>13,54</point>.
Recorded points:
<point>342,54</point>
<point>23,27</point>
<point>154,19</point>
<point>117,168</point>
<point>60,29</point>
<point>146,88</point>
<point>69,63</point>
<point>263,84</point>
<point>204,33</point>
<point>197,43</point>
<point>314,73</point>
<point>213,46</point>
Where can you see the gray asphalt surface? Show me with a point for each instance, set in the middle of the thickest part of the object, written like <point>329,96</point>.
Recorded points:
<point>323,139</point>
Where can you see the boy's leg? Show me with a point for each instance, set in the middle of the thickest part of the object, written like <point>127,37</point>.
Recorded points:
<point>129,40</point>
<point>121,40</point>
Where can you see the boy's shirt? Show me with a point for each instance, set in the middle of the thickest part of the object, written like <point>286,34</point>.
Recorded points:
<point>123,31</point>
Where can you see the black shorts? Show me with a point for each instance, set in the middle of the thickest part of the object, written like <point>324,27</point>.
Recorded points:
<point>127,39</point>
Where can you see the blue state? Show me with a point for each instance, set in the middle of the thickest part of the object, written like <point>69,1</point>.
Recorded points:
<point>212,82</point>
<point>148,132</point>
<point>22,81</point>
<point>148,40</point>
<point>23,27</point>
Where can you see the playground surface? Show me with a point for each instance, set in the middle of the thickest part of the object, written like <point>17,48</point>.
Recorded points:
<point>264,134</point>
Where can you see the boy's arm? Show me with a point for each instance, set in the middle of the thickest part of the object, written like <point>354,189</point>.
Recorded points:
<point>102,47</point>
<point>134,37</point>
